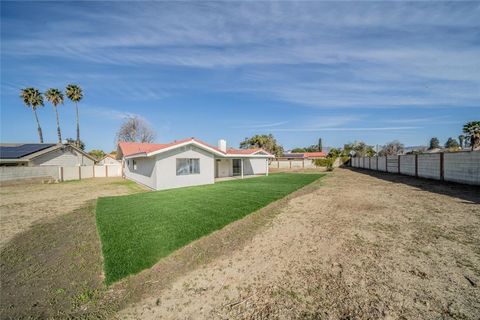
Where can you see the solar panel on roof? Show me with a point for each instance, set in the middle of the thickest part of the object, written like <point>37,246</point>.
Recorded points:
<point>17,152</point>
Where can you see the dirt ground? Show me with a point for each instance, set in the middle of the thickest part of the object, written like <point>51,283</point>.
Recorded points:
<point>354,245</point>
<point>359,247</point>
<point>21,206</point>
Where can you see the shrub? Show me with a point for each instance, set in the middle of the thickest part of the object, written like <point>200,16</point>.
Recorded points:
<point>325,162</point>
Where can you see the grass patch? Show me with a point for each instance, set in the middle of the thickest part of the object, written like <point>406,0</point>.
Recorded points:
<point>138,230</point>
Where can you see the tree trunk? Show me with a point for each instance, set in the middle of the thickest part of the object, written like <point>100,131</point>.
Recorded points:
<point>40,135</point>
<point>59,133</point>
<point>78,127</point>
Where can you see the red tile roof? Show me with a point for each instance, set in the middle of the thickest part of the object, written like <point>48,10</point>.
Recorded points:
<point>242,151</point>
<point>314,154</point>
<point>131,148</point>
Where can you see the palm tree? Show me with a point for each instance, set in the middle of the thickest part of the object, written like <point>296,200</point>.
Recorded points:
<point>33,99</point>
<point>472,131</point>
<point>55,96</point>
<point>74,93</point>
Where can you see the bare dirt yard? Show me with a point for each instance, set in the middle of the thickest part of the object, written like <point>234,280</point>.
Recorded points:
<point>353,245</point>
<point>21,206</point>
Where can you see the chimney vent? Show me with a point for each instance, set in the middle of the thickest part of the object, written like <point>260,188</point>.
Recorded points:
<point>222,145</point>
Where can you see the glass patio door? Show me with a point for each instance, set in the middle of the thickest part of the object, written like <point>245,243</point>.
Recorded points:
<point>237,167</point>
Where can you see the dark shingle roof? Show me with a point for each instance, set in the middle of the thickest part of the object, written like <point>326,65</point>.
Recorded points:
<point>22,150</point>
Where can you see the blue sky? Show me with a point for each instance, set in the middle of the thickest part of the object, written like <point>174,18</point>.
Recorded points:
<point>340,71</point>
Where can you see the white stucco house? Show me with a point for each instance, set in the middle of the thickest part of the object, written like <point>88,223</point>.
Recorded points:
<point>188,162</point>
<point>43,154</point>
<point>108,160</point>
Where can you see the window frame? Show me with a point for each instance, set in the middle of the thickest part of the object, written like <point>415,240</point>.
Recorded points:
<point>192,168</point>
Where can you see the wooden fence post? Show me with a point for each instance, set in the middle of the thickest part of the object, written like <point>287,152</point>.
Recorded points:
<point>442,165</point>
<point>416,165</point>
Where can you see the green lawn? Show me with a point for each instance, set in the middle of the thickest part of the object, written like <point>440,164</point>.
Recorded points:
<point>138,230</point>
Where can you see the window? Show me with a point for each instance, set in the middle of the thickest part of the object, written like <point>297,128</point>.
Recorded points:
<point>134,165</point>
<point>188,166</point>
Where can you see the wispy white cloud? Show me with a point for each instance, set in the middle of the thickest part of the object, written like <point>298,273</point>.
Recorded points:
<point>263,125</point>
<point>306,129</point>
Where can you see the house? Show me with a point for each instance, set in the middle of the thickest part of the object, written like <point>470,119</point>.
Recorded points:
<point>188,162</point>
<point>108,160</point>
<point>304,155</point>
<point>43,154</point>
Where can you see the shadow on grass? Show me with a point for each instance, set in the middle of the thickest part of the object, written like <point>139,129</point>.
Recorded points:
<point>468,193</point>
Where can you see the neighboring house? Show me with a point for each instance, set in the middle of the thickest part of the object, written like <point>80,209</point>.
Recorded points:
<point>188,162</point>
<point>43,154</point>
<point>304,155</point>
<point>108,160</point>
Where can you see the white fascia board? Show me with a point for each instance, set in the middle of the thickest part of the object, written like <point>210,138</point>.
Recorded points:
<point>248,156</point>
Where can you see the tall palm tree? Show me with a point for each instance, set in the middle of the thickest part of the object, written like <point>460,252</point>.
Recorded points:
<point>33,99</point>
<point>74,93</point>
<point>472,130</point>
<point>55,96</point>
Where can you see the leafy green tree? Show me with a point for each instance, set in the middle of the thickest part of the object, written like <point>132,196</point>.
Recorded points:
<point>33,99</point>
<point>55,97</point>
<point>98,154</point>
<point>75,94</point>
<point>359,148</point>
<point>472,132</point>
<point>298,150</point>
<point>334,153</point>
<point>452,144</point>
<point>80,145</point>
<point>434,143</point>
<point>264,141</point>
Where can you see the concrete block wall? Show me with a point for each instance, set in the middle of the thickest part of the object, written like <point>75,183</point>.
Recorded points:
<point>463,167</point>
<point>392,164</point>
<point>407,164</point>
<point>373,163</point>
<point>429,166</point>
<point>20,173</point>
<point>382,164</point>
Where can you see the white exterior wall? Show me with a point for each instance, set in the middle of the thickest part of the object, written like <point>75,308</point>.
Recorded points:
<point>224,168</point>
<point>255,166</point>
<point>462,167</point>
<point>429,166</point>
<point>166,168</point>
<point>67,157</point>
<point>144,172</point>
<point>407,164</point>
